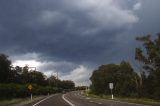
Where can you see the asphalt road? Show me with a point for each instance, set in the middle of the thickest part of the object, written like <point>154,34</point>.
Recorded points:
<point>75,99</point>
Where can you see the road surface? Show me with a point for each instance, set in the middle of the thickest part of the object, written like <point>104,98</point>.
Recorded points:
<point>75,99</point>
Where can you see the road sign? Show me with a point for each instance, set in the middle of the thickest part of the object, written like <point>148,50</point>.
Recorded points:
<point>110,85</point>
<point>30,87</point>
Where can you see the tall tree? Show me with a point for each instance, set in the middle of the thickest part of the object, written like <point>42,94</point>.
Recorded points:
<point>16,75</point>
<point>36,77</point>
<point>101,77</point>
<point>149,55</point>
<point>123,77</point>
<point>126,84</point>
<point>5,68</point>
<point>52,81</point>
<point>66,84</point>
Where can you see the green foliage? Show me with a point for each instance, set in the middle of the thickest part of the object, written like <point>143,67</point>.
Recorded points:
<point>52,81</point>
<point>12,90</point>
<point>80,88</point>
<point>66,84</point>
<point>126,80</point>
<point>5,66</point>
<point>14,81</point>
<point>19,90</point>
<point>150,57</point>
<point>101,77</point>
<point>121,75</point>
<point>23,75</point>
<point>150,54</point>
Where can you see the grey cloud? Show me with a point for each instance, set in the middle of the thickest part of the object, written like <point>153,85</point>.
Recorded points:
<point>77,32</point>
<point>53,30</point>
<point>57,66</point>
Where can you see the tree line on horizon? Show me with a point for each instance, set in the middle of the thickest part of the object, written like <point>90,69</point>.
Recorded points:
<point>15,80</point>
<point>127,81</point>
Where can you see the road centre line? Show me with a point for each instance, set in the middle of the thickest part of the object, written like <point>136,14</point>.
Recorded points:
<point>67,100</point>
<point>43,100</point>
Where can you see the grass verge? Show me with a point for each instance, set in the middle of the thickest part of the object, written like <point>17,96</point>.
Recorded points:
<point>10,102</point>
<point>18,101</point>
<point>135,100</point>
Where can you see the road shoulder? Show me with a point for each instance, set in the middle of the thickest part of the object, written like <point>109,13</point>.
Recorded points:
<point>122,100</point>
<point>28,101</point>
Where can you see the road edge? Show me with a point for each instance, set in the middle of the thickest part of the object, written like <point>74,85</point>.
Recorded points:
<point>43,100</point>
<point>71,104</point>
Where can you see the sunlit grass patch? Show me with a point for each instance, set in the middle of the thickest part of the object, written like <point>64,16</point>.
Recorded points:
<point>19,101</point>
<point>143,100</point>
<point>12,101</point>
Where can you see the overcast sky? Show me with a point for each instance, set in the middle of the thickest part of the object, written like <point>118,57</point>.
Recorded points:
<point>74,37</point>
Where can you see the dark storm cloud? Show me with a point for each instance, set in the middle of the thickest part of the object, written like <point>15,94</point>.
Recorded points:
<point>148,24</point>
<point>57,29</point>
<point>73,37</point>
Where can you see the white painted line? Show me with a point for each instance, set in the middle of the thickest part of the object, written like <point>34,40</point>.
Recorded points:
<point>43,100</point>
<point>99,103</point>
<point>88,98</point>
<point>131,103</point>
<point>67,100</point>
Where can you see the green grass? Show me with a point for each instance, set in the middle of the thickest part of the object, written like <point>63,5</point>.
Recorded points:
<point>96,96</point>
<point>18,101</point>
<point>140,100</point>
<point>10,102</point>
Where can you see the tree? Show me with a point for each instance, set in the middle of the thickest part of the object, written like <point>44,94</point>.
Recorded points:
<point>66,84</point>
<point>25,75</point>
<point>52,81</point>
<point>126,84</point>
<point>5,68</point>
<point>16,75</point>
<point>123,77</point>
<point>150,57</point>
<point>101,77</point>
<point>36,77</point>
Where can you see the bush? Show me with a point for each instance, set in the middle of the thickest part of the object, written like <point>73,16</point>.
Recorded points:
<point>12,91</point>
<point>18,91</point>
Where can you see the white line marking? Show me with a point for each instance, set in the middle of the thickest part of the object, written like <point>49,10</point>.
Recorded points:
<point>88,98</point>
<point>134,104</point>
<point>67,101</point>
<point>99,103</point>
<point>130,103</point>
<point>43,100</point>
<point>120,102</point>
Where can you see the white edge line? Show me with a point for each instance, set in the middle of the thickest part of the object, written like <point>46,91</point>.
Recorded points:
<point>131,103</point>
<point>42,100</point>
<point>122,102</point>
<point>67,100</point>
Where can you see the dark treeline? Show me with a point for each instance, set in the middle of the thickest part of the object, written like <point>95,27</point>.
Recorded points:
<point>127,82</point>
<point>14,81</point>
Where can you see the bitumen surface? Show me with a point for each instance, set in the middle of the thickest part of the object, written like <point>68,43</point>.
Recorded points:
<point>76,99</point>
